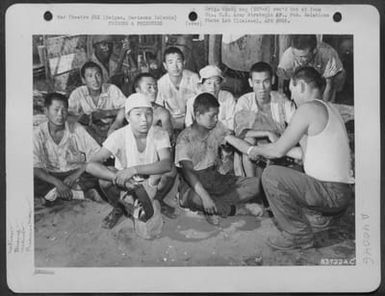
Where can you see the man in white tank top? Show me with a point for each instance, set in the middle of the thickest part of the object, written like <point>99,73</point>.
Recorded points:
<point>324,187</point>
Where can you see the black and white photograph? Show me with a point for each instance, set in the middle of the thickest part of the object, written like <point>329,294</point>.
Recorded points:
<point>206,197</point>
<point>192,145</point>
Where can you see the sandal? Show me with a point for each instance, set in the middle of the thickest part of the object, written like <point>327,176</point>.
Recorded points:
<point>167,210</point>
<point>212,219</point>
<point>112,218</point>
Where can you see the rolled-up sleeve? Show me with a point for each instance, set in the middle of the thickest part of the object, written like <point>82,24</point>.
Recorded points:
<point>182,150</point>
<point>74,106</point>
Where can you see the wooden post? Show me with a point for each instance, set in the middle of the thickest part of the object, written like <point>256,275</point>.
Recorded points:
<point>215,48</point>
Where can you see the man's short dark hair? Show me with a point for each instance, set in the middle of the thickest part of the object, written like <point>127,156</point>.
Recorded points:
<point>261,67</point>
<point>172,50</point>
<point>55,96</point>
<point>88,65</point>
<point>138,78</point>
<point>303,42</point>
<point>203,102</point>
<point>310,76</point>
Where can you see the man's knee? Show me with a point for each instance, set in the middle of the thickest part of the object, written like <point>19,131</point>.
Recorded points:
<point>270,176</point>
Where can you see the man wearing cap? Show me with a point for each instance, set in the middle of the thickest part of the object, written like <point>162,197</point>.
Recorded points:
<point>140,150</point>
<point>103,47</point>
<point>95,104</point>
<point>211,79</point>
<point>145,83</point>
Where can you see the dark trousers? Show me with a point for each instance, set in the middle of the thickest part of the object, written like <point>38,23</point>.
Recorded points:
<point>41,188</point>
<point>225,190</point>
<point>289,191</point>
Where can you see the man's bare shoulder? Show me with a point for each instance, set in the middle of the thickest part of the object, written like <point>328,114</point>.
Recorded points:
<point>159,132</point>
<point>312,109</point>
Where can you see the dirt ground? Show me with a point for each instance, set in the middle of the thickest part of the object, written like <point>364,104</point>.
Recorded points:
<point>69,234</point>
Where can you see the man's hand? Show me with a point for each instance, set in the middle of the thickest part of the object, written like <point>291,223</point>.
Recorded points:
<point>63,191</point>
<point>253,154</point>
<point>71,180</point>
<point>124,175</point>
<point>209,205</point>
<point>131,185</point>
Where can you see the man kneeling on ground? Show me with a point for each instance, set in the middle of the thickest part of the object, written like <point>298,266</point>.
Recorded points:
<point>202,188</point>
<point>142,154</point>
<point>324,187</point>
<point>60,152</point>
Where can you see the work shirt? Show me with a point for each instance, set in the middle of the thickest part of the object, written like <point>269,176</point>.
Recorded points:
<point>81,102</point>
<point>282,110</point>
<point>325,54</point>
<point>75,148</point>
<point>174,99</point>
<point>203,153</point>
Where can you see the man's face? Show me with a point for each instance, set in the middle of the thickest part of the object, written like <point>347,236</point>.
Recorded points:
<point>208,119</point>
<point>93,79</point>
<point>261,82</point>
<point>212,85</point>
<point>303,56</point>
<point>57,112</point>
<point>103,50</point>
<point>174,64</point>
<point>148,86</point>
<point>140,119</point>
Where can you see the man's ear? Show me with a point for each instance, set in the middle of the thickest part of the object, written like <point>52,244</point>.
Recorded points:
<point>165,65</point>
<point>83,80</point>
<point>250,82</point>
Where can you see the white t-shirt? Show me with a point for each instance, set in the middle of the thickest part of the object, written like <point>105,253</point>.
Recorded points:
<point>226,109</point>
<point>122,145</point>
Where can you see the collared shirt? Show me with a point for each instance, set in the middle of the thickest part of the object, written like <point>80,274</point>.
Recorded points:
<point>226,109</point>
<point>324,55</point>
<point>75,148</point>
<point>282,110</point>
<point>107,73</point>
<point>203,153</point>
<point>174,99</point>
<point>80,101</point>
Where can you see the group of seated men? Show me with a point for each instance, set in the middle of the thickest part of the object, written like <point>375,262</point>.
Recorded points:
<point>130,151</point>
